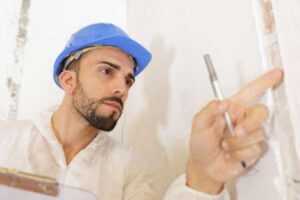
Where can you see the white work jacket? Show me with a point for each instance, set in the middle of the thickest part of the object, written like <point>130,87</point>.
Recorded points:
<point>105,167</point>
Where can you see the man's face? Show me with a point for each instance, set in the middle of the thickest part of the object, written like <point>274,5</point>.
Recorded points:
<point>102,83</point>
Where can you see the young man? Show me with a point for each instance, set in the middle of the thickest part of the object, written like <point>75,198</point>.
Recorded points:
<point>96,70</point>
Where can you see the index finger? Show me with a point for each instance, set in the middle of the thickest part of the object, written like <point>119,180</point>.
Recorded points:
<point>256,88</point>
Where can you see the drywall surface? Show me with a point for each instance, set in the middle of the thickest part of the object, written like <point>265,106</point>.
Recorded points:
<point>287,15</point>
<point>162,103</point>
<point>176,85</point>
<point>8,33</point>
<point>288,22</point>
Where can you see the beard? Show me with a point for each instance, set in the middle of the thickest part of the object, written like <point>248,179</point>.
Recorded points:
<point>87,108</point>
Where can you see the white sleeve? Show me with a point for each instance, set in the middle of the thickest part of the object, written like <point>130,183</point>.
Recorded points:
<point>178,191</point>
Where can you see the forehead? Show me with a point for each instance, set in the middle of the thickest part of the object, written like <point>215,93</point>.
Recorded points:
<point>113,54</point>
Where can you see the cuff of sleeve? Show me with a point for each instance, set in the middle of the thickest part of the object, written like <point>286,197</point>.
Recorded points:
<point>179,190</point>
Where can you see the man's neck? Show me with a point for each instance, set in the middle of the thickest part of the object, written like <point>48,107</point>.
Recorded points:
<point>72,131</point>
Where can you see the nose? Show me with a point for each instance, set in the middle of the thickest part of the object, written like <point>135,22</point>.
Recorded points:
<point>120,89</point>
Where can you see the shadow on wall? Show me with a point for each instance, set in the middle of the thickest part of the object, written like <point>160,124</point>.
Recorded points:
<point>149,125</point>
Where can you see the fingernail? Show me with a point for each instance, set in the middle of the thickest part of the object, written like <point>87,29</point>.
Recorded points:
<point>278,73</point>
<point>239,131</point>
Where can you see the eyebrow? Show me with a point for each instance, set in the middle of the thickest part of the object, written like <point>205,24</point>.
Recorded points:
<point>117,67</point>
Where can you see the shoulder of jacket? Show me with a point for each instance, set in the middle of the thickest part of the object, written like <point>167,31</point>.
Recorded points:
<point>11,127</point>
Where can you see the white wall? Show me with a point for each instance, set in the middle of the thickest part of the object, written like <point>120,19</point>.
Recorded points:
<point>8,31</point>
<point>158,116</point>
<point>287,13</point>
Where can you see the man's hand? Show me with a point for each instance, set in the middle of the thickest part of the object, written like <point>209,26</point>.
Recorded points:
<point>215,155</point>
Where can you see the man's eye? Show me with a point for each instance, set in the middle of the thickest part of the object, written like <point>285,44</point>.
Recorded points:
<point>129,83</point>
<point>106,71</point>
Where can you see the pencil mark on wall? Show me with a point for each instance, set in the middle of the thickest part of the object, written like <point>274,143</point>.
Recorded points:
<point>184,99</point>
<point>16,71</point>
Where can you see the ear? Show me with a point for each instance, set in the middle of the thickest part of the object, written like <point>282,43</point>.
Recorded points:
<point>67,80</point>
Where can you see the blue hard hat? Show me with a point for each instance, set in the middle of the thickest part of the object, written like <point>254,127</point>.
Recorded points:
<point>106,35</point>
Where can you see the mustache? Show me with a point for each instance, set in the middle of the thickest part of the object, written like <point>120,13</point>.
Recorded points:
<point>115,99</point>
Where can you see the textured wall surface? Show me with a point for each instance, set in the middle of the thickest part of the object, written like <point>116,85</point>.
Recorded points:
<point>8,33</point>
<point>162,103</point>
<point>287,15</point>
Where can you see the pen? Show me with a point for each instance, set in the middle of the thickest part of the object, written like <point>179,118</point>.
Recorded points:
<point>218,94</point>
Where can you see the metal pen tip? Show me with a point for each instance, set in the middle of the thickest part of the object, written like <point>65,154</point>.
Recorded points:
<point>210,67</point>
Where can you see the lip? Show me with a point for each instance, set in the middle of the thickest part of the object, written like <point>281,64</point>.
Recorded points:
<point>114,105</point>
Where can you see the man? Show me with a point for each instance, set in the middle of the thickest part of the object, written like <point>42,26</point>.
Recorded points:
<point>96,70</point>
